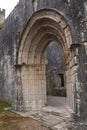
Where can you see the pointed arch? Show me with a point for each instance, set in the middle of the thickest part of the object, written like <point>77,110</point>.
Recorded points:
<point>44,26</point>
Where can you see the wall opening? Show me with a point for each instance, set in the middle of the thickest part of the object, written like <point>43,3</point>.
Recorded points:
<point>44,27</point>
<point>55,74</point>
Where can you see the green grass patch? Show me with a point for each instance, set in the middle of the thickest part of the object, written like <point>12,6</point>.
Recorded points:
<point>4,105</point>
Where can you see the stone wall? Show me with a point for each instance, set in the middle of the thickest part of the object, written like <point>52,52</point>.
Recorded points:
<point>11,88</point>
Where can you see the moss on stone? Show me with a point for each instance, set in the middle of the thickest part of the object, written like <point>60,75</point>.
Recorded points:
<point>3,105</point>
<point>0,25</point>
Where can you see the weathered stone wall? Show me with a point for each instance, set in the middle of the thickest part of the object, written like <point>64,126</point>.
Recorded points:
<point>10,36</point>
<point>12,30</point>
<point>9,43</point>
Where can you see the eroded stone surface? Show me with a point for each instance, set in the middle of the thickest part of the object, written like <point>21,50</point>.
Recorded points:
<point>23,39</point>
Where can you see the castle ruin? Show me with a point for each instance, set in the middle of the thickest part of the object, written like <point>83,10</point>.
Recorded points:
<point>26,33</point>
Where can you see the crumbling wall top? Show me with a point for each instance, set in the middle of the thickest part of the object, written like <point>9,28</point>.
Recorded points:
<point>2,12</point>
<point>2,15</point>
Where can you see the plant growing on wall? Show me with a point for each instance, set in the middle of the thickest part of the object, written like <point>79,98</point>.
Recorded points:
<point>0,25</point>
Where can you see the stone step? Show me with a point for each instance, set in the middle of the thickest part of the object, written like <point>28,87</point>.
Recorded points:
<point>54,118</point>
<point>51,120</point>
<point>55,111</point>
<point>56,101</point>
<point>54,122</point>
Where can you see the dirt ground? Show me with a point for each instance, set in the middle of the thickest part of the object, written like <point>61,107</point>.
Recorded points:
<point>12,121</point>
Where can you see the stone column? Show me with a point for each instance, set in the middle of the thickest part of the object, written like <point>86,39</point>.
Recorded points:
<point>34,87</point>
<point>70,80</point>
<point>75,83</point>
<point>83,80</point>
<point>79,117</point>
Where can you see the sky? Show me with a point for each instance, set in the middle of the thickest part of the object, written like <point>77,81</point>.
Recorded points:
<point>8,5</point>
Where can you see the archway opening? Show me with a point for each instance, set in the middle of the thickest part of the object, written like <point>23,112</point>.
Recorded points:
<point>44,27</point>
<point>56,93</point>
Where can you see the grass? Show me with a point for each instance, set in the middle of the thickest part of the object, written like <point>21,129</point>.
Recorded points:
<point>0,25</point>
<point>12,121</point>
<point>7,118</point>
<point>4,105</point>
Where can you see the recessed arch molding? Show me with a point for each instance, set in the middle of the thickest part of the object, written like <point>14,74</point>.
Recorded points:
<point>44,23</point>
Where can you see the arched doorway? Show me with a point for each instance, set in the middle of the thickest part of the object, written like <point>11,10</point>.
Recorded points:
<point>55,75</point>
<point>44,26</point>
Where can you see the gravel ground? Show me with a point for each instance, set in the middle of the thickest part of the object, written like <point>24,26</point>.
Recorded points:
<point>12,121</point>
